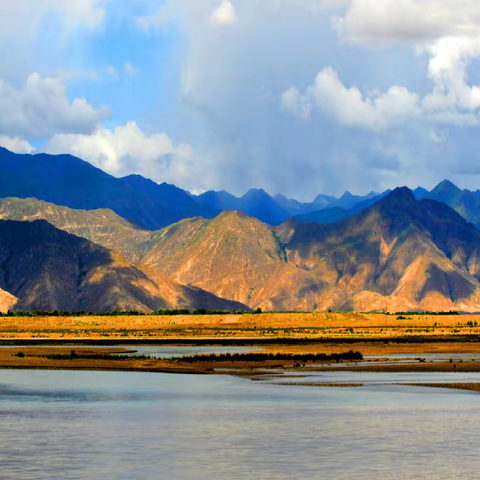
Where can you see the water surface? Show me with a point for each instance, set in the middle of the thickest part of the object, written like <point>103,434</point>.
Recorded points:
<point>126,425</point>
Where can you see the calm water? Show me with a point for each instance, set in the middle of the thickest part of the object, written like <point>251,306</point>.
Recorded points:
<point>110,425</point>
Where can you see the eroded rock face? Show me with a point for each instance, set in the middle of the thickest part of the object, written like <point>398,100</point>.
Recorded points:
<point>399,254</point>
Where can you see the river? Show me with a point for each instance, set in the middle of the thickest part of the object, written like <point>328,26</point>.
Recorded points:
<point>118,425</point>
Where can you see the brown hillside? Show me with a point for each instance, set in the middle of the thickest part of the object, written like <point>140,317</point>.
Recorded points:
<point>234,256</point>
<point>99,226</point>
<point>399,254</point>
<point>47,269</point>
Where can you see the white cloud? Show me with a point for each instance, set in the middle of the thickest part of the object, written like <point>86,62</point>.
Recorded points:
<point>15,144</point>
<point>452,104</point>
<point>127,149</point>
<point>375,22</point>
<point>224,14</point>
<point>447,30</point>
<point>388,97</point>
<point>42,109</point>
<point>349,107</point>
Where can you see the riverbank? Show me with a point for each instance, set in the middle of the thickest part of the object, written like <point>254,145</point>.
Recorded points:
<point>301,363</point>
<point>378,337</point>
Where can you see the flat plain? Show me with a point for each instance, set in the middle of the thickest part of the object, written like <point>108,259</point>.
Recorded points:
<point>315,326</point>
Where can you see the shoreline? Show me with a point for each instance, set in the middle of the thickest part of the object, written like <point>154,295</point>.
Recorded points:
<point>35,358</point>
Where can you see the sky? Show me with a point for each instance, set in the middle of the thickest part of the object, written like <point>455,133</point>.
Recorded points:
<point>298,97</point>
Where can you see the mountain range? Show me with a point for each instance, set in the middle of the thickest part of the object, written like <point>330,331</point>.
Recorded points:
<point>89,241</point>
<point>69,181</point>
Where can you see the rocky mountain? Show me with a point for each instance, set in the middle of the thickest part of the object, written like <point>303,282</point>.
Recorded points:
<point>68,181</point>
<point>396,254</point>
<point>464,202</point>
<point>7,301</point>
<point>177,201</point>
<point>420,193</point>
<point>103,226</point>
<point>234,255</point>
<point>44,268</point>
<point>399,254</point>
<point>348,200</point>
<point>323,202</point>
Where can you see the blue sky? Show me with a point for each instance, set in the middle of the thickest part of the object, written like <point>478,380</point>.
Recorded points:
<point>298,97</point>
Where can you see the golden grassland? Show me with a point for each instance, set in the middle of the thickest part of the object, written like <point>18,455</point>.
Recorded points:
<point>247,326</point>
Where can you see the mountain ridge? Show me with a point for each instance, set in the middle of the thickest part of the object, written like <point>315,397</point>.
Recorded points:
<point>46,269</point>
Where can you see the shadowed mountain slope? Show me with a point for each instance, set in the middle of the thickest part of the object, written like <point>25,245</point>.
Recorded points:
<point>464,202</point>
<point>99,226</point>
<point>398,254</point>
<point>46,269</point>
<point>69,181</point>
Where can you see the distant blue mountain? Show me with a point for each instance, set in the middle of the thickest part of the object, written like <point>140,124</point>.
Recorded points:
<point>335,214</point>
<point>71,182</point>
<point>420,193</point>
<point>464,202</point>
<point>256,203</point>
<point>294,207</point>
<point>219,200</point>
<point>346,202</point>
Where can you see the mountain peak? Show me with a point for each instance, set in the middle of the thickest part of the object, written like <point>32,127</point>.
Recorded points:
<point>446,186</point>
<point>346,195</point>
<point>402,192</point>
<point>230,214</point>
<point>397,204</point>
<point>256,192</point>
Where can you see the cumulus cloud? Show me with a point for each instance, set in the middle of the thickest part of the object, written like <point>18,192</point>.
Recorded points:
<point>127,149</point>
<point>224,14</point>
<point>452,104</point>
<point>42,109</point>
<point>448,31</point>
<point>398,103</point>
<point>15,144</point>
<point>349,107</point>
